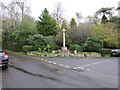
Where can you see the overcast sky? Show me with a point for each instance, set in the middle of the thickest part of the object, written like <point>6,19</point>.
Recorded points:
<point>70,7</point>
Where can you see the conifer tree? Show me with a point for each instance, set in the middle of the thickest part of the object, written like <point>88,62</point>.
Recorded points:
<point>73,23</point>
<point>46,25</point>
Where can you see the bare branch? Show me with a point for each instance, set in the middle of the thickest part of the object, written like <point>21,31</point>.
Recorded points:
<point>58,14</point>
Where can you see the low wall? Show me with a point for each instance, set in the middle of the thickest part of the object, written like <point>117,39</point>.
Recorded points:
<point>66,55</point>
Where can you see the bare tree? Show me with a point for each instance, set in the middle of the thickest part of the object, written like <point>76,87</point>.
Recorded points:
<point>9,15</point>
<point>58,14</point>
<point>13,13</point>
<point>22,4</point>
<point>92,20</point>
<point>79,17</point>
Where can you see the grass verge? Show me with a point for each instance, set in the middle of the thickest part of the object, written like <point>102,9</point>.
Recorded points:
<point>15,53</point>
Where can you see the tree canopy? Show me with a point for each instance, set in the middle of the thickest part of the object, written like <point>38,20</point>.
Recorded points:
<point>46,25</point>
<point>73,23</point>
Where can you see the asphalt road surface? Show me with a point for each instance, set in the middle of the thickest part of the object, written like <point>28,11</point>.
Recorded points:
<point>37,72</point>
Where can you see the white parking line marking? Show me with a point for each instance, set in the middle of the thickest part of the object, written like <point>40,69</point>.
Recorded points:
<point>65,66</point>
<point>74,68</point>
<point>46,60</point>
<point>54,63</point>
<point>80,68</point>
<point>42,59</point>
<point>92,64</point>
<point>88,69</point>
<point>60,65</point>
<point>49,61</point>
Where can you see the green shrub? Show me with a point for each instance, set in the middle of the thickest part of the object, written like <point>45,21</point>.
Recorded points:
<point>93,44</point>
<point>37,41</point>
<point>27,48</point>
<point>75,47</point>
<point>50,43</point>
<point>104,51</point>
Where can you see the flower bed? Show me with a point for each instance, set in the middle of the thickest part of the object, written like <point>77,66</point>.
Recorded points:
<point>80,54</point>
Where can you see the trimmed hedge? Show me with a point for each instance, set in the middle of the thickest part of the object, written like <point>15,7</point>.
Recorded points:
<point>104,51</point>
<point>27,48</point>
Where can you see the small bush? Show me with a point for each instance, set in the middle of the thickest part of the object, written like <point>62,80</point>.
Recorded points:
<point>75,47</point>
<point>93,44</point>
<point>37,41</point>
<point>104,51</point>
<point>27,48</point>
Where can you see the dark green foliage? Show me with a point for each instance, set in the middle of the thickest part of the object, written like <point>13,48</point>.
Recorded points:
<point>73,23</point>
<point>27,48</point>
<point>104,51</point>
<point>37,41</point>
<point>15,39</point>
<point>49,40</point>
<point>116,21</point>
<point>104,20</point>
<point>93,44</point>
<point>76,47</point>
<point>20,36</point>
<point>47,25</point>
<point>118,24</point>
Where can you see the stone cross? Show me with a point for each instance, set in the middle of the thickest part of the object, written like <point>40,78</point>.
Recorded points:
<point>63,37</point>
<point>64,48</point>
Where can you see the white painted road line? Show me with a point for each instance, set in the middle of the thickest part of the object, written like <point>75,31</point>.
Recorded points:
<point>61,65</point>
<point>46,60</point>
<point>80,68</point>
<point>67,66</point>
<point>51,62</point>
<point>92,64</point>
<point>88,69</point>
<point>74,68</point>
<point>42,59</point>
<point>54,63</point>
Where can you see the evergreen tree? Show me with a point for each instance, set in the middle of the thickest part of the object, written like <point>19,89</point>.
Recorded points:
<point>105,11</point>
<point>73,23</point>
<point>104,19</point>
<point>46,25</point>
